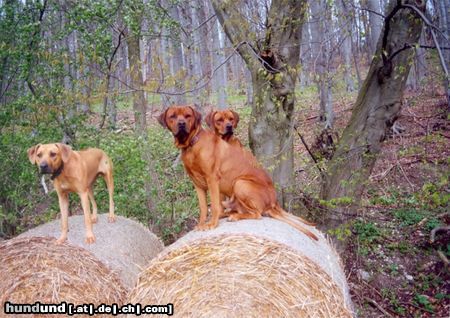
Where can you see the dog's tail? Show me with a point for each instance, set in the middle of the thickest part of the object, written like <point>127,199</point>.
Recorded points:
<point>279,214</point>
<point>297,218</point>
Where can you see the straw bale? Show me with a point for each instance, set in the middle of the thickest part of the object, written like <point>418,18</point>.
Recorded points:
<point>126,246</point>
<point>250,268</point>
<point>36,269</point>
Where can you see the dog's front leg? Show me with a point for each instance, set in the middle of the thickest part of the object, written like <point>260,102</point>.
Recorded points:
<point>216,205</point>
<point>90,238</point>
<point>63,199</point>
<point>203,205</point>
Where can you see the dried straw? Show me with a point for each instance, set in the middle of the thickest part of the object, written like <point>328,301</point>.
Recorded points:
<point>238,275</point>
<point>36,269</point>
<point>125,246</point>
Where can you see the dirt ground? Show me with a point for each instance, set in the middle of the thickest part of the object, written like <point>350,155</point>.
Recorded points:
<point>394,269</point>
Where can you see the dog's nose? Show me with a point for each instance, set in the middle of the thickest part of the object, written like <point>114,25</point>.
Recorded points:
<point>229,127</point>
<point>181,124</point>
<point>44,167</point>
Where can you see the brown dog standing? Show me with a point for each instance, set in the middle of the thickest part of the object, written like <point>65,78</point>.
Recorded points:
<point>217,167</point>
<point>75,171</point>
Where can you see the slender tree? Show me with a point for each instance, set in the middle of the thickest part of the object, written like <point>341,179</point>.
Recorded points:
<point>134,16</point>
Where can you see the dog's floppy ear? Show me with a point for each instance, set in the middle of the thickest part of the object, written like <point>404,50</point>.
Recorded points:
<point>236,118</point>
<point>162,118</point>
<point>65,151</point>
<point>32,153</point>
<point>209,119</point>
<point>198,117</point>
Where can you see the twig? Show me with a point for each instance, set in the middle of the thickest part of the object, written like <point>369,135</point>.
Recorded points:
<point>426,219</point>
<point>383,174</point>
<point>436,230</point>
<point>309,151</point>
<point>433,238</point>
<point>403,172</point>
<point>374,303</point>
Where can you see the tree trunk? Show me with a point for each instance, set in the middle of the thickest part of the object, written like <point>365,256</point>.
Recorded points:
<point>346,22</point>
<point>320,47</point>
<point>270,129</point>
<point>376,109</point>
<point>177,68</point>
<point>444,24</point>
<point>220,77</point>
<point>375,23</point>
<point>139,102</point>
<point>305,56</point>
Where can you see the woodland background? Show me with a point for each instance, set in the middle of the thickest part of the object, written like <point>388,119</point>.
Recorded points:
<point>345,102</point>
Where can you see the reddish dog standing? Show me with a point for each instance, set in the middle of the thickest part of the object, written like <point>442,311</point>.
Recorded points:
<point>217,167</point>
<point>75,171</point>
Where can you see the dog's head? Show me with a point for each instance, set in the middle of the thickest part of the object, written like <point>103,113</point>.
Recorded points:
<point>49,157</point>
<point>182,121</point>
<point>223,122</point>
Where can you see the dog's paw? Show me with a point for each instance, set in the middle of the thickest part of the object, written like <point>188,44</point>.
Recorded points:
<point>90,238</point>
<point>111,219</point>
<point>94,219</point>
<point>61,240</point>
<point>233,217</point>
<point>200,227</point>
<point>206,226</point>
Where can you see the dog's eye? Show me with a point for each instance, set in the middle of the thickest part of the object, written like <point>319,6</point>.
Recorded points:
<point>52,154</point>
<point>39,155</point>
<point>173,116</point>
<point>188,116</point>
<point>220,120</point>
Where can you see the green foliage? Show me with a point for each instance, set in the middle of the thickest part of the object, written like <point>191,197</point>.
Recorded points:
<point>393,300</point>
<point>423,301</point>
<point>435,194</point>
<point>337,202</point>
<point>367,232</point>
<point>342,232</point>
<point>409,216</point>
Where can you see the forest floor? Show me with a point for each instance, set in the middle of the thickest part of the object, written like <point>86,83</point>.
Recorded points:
<point>394,268</point>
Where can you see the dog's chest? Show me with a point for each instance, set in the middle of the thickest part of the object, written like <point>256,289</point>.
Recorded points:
<point>194,170</point>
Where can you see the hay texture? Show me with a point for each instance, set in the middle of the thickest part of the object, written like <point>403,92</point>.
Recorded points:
<point>36,269</point>
<point>125,246</point>
<point>250,268</point>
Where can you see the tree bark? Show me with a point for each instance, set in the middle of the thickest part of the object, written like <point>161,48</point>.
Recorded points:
<point>376,109</point>
<point>220,78</point>
<point>273,66</point>
<point>444,24</point>
<point>139,102</point>
<point>376,23</point>
<point>346,23</point>
<point>178,70</point>
<point>321,52</point>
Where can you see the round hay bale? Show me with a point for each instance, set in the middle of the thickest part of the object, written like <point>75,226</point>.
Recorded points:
<point>126,246</point>
<point>250,268</point>
<point>36,269</point>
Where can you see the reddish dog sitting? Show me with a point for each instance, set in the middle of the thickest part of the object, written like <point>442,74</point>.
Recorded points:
<point>217,167</point>
<point>75,171</point>
<point>223,123</point>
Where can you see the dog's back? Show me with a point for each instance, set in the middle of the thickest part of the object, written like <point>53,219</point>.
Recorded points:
<point>96,162</point>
